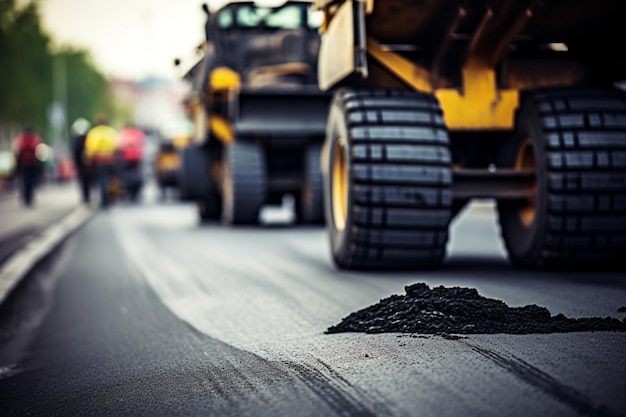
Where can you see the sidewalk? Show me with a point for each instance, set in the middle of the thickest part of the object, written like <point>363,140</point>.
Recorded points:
<point>30,233</point>
<point>52,202</point>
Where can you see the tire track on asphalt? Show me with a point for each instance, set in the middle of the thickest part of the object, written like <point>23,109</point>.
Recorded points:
<point>127,353</point>
<point>322,383</point>
<point>543,381</point>
<point>337,391</point>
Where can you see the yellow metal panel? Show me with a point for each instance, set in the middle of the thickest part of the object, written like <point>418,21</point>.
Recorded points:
<point>480,105</point>
<point>474,113</point>
<point>412,74</point>
<point>223,78</point>
<point>221,129</point>
<point>336,55</point>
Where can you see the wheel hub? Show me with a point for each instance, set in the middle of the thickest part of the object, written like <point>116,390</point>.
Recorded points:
<point>340,186</point>
<point>525,160</point>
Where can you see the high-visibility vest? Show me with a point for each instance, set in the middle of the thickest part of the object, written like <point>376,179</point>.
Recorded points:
<point>101,144</point>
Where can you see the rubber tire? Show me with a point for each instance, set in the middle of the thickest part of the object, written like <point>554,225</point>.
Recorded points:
<point>133,193</point>
<point>310,207</point>
<point>193,174</point>
<point>210,207</point>
<point>398,180</point>
<point>244,187</point>
<point>579,141</point>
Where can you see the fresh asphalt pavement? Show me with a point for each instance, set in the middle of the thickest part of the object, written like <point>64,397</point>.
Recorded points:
<point>144,311</point>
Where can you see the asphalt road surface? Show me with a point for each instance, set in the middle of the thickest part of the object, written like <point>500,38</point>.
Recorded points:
<point>144,311</point>
<point>19,226</point>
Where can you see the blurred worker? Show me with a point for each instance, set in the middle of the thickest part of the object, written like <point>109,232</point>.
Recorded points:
<point>100,147</point>
<point>28,165</point>
<point>130,142</point>
<point>80,127</point>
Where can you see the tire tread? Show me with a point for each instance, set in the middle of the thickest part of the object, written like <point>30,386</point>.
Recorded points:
<point>586,174</point>
<point>401,170</point>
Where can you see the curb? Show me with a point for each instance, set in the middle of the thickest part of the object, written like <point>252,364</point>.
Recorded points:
<point>24,260</point>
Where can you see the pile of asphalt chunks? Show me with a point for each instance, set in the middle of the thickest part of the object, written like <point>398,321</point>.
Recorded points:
<point>457,310</point>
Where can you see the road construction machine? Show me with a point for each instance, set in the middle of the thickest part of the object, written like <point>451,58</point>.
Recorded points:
<point>167,162</point>
<point>260,116</point>
<point>439,102</point>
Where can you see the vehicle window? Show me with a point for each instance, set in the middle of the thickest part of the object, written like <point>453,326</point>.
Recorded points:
<point>288,17</point>
<point>225,19</point>
<point>248,16</point>
<point>285,18</point>
<point>315,18</point>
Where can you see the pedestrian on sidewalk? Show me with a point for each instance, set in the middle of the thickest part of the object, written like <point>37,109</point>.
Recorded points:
<point>28,165</point>
<point>80,127</point>
<point>100,148</point>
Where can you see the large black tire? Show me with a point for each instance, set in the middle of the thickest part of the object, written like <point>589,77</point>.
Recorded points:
<point>577,141</point>
<point>210,206</point>
<point>244,186</point>
<point>193,174</point>
<point>310,208</point>
<point>387,182</point>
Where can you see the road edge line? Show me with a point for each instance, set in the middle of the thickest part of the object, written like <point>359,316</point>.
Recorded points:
<point>14,269</point>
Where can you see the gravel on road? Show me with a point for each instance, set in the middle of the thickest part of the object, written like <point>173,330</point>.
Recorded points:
<point>457,310</point>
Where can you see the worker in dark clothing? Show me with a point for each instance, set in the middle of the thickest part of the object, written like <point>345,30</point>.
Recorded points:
<point>80,127</point>
<point>28,165</point>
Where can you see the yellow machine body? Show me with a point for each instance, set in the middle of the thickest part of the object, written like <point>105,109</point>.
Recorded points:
<point>475,84</point>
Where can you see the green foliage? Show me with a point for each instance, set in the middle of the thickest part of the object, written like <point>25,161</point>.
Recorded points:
<point>86,86</point>
<point>27,72</point>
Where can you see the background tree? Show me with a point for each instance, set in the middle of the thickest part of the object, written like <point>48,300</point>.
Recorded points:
<point>87,92</point>
<point>26,74</point>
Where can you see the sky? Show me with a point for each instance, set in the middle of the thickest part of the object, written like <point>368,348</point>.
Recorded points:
<point>129,39</point>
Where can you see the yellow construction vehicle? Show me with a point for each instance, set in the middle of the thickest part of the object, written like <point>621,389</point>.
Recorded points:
<point>260,116</point>
<point>167,162</point>
<point>438,102</point>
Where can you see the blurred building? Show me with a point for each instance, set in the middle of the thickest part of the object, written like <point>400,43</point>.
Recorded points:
<point>151,103</point>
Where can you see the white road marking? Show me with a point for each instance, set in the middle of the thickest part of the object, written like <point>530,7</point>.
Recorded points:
<point>18,265</point>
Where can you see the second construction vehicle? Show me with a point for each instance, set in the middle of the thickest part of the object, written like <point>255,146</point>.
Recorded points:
<point>438,102</point>
<point>259,114</point>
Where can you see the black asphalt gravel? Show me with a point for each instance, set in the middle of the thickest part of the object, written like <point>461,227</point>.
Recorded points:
<point>457,310</point>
